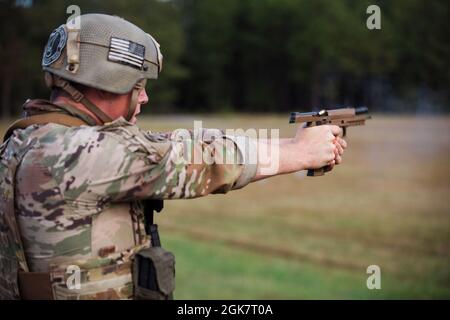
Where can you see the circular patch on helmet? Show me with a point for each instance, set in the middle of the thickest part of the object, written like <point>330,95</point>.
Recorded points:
<point>55,45</point>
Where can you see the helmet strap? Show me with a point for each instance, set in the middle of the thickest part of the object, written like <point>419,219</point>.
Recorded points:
<point>134,98</point>
<point>55,81</point>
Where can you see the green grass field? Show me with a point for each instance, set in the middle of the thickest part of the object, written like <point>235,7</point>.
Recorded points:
<point>295,237</point>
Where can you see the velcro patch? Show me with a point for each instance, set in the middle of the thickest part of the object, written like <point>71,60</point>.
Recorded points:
<point>55,45</point>
<point>126,52</point>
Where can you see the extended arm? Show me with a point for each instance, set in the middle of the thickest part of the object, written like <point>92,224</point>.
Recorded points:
<point>310,148</point>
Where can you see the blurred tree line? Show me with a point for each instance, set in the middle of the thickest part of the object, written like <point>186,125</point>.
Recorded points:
<point>256,55</point>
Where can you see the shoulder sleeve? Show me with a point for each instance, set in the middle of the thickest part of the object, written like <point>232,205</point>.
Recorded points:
<point>122,163</point>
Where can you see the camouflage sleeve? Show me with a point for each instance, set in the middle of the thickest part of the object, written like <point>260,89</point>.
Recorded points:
<point>247,148</point>
<point>123,163</point>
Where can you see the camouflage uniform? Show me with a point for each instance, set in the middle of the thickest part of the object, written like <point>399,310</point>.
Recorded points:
<point>77,192</point>
<point>71,193</point>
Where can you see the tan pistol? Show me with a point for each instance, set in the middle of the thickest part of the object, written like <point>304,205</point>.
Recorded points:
<point>344,117</point>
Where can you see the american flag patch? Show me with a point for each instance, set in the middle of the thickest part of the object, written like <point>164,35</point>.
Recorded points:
<point>126,52</point>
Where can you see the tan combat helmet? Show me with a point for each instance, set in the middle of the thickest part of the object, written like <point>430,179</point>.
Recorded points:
<point>103,52</point>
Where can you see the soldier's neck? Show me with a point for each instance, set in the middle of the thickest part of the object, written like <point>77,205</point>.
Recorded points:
<point>68,101</point>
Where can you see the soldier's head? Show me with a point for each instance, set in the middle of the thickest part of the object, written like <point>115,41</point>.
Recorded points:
<point>101,63</point>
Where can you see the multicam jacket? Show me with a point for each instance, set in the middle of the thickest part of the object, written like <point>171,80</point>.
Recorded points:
<point>77,192</point>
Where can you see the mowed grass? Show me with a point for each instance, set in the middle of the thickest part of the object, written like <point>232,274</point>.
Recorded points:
<point>296,237</point>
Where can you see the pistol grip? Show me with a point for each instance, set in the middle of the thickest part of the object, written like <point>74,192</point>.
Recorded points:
<point>318,172</point>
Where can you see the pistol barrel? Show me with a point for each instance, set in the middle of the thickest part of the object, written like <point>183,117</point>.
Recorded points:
<point>331,114</point>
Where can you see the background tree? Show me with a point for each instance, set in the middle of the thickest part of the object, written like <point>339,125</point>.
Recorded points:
<point>257,55</point>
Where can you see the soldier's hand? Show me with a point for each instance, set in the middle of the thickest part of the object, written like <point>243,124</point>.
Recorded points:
<point>341,144</point>
<point>319,146</point>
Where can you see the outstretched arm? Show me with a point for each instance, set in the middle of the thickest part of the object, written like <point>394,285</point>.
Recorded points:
<point>311,148</point>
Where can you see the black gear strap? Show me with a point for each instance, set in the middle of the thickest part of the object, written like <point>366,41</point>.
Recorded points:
<point>151,205</point>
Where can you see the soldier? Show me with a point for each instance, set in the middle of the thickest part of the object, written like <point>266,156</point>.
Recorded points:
<point>75,169</point>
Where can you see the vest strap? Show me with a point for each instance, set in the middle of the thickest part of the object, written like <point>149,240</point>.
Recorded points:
<point>51,117</point>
